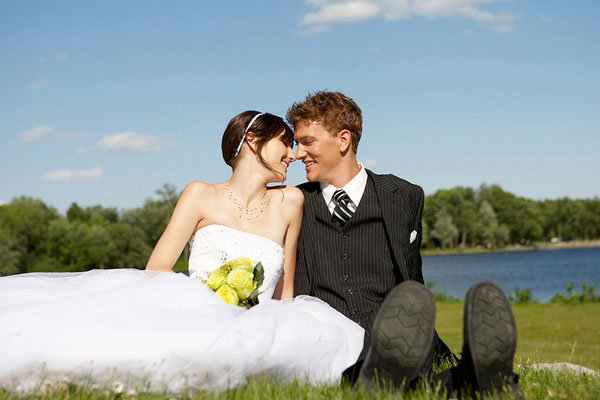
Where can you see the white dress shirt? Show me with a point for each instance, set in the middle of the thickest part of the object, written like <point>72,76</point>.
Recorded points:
<point>355,189</point>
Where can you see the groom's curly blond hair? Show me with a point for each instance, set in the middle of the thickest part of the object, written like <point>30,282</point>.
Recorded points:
<point>334,110</point>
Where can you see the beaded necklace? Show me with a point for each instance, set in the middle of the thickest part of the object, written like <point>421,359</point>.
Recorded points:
<point>248,213</point>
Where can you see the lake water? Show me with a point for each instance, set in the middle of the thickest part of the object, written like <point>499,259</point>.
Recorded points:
<point>545,272</point>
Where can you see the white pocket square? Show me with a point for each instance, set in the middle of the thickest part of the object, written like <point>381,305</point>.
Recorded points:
<point>413,236</point>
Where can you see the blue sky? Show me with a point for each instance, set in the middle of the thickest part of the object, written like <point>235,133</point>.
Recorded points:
<point>103,102</point>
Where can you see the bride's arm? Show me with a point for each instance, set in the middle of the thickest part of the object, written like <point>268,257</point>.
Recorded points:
<point>183,221</point>
<point>293,202</point>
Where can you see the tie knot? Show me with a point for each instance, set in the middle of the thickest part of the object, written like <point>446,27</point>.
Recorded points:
<point>340,196</point>
<point>344,207</point>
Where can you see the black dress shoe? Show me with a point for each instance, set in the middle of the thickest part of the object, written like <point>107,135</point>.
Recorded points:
<point>401,347</point>
<point>489,340</point>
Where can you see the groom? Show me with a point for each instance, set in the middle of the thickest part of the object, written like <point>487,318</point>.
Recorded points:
<point>359,250</point>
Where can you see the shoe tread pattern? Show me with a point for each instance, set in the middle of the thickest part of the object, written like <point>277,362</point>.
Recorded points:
<point>403,331</point>
<point>492,335</point>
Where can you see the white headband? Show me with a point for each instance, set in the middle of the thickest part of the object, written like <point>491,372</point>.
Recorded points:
<point>244,135</point>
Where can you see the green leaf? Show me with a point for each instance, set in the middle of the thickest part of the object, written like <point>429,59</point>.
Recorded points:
<point>254,293</point>
<point>252,301</point>
<point>253,298</point>
<point>259,274</point>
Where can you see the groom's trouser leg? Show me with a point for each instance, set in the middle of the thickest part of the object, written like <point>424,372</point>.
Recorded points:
<point>451,380</point>
<point>350,375</point>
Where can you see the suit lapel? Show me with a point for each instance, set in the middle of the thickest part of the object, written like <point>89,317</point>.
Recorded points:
<point>393,210</point>
<point>322,212</point>
<point>319,207</point>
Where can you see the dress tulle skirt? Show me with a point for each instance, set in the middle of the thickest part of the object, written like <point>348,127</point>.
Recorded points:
<point>162,332</point>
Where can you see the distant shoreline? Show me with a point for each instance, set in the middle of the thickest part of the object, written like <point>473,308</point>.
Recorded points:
<point>573,244</point>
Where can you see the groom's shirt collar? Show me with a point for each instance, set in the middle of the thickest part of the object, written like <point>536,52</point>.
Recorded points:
<point>355,189</point>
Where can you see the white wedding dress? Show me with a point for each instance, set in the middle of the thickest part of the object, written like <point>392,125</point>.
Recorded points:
<point>168,332</point>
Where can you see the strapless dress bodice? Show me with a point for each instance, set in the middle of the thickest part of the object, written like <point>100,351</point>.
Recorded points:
<point>214,245</point>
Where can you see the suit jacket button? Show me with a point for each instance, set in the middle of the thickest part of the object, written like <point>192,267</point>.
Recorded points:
<point>345,256</point>
<point>346,277</point>
<point>350,291</point>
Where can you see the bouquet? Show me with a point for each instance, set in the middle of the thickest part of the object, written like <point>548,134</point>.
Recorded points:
<point>237,281</point>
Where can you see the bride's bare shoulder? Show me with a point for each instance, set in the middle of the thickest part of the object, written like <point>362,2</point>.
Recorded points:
<point>291,197</point>
<point>294,195</point>
<point>199,191</point>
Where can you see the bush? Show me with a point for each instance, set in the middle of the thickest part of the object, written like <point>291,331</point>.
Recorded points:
<point>440,295</point>
<point>521,296</point>
<point>588,294</point>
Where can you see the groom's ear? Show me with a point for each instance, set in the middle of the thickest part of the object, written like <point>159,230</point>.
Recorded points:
<point>345,138</point>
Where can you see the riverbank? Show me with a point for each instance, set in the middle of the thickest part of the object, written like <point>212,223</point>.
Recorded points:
<point>573,244</point>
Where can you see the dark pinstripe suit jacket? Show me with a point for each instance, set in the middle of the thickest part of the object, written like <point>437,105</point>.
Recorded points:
<point>401,206</point>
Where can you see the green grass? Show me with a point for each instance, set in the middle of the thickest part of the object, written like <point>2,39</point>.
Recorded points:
<point>547,333</point>
<point>536,385</point>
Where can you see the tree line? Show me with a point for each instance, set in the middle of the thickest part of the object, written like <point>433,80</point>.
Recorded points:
<point>491,217</point>
<point>35,237</point>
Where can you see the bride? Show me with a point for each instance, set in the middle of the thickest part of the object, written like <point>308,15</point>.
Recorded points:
<point>157,330</point>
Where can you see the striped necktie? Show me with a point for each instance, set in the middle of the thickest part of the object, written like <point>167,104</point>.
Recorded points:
<point>344,207</point>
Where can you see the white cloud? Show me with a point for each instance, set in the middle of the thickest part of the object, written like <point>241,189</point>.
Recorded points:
<point>373,50</point>
<point>545,18</point>
<point>396,9</point>
<point>43,59</point>
<point>130,141</point>
<point>330,12</point>
<point>61,57</point>
<point>3,202</point>
<point>36,133</point>
<point>63,175</point>
<point>369,163</point>
<point>335,12</point>
<point>37,85</point>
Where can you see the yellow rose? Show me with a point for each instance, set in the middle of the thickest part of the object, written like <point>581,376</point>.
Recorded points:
<point>228,294</point>
<point>242,263</point>
<point>217,278</point>
<point>242,281</point>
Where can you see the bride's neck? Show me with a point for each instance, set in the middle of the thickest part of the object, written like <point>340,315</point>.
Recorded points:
<point>249,186</point>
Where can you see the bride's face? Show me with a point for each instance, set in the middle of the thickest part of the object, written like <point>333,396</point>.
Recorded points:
<point>278,154</point>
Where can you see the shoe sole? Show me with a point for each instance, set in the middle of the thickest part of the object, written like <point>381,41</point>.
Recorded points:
<point>490,336</point>
<point>402,335</point>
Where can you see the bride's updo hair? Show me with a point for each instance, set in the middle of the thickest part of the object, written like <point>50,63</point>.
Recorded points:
<point>264,128</point>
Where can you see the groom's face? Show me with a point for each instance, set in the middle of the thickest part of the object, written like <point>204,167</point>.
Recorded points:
<point>319,150</point>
